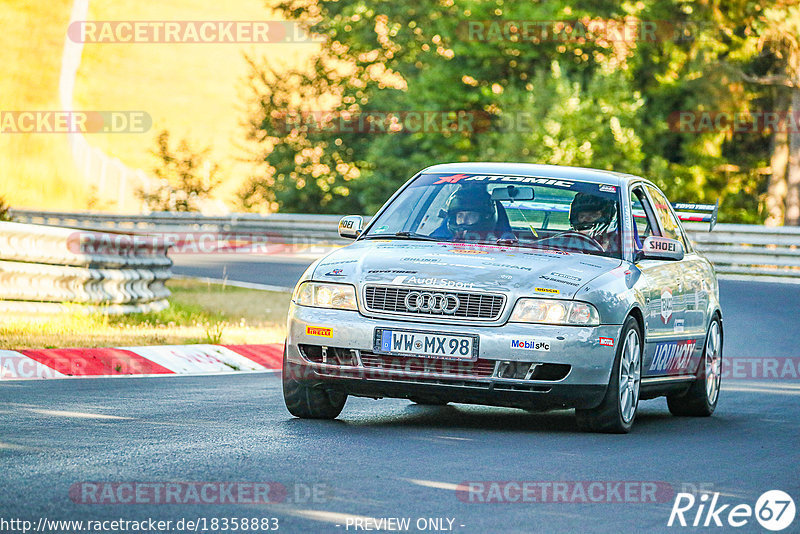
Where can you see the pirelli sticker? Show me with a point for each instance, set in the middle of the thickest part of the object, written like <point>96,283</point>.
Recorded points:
<point>319,331</point>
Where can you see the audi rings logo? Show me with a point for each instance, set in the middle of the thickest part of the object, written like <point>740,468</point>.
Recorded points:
<point>432,302</point>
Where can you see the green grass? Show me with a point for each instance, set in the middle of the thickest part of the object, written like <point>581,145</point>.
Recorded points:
<point>199,313</point>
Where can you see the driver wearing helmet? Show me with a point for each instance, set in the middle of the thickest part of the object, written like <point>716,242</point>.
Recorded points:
<point>471,214</point>
<point>592,216</point>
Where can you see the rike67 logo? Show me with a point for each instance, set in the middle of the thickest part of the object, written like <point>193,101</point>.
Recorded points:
<point>774,510</point>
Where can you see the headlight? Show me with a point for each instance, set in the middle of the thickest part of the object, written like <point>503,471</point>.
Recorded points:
<point>550,311</point>
<point>322,295</point>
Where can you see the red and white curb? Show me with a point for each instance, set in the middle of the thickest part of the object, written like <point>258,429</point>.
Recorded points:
<point>124,361</point>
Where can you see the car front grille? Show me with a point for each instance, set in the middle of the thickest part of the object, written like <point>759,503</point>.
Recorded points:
<point>476,306</point>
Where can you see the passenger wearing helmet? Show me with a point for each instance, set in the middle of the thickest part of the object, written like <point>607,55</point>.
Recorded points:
<point>471,214</point>
<point>593,216</point>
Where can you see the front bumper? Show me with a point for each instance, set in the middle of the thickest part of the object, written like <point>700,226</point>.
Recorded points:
<point>574,349</point>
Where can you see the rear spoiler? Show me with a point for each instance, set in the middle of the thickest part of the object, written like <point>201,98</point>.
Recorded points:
<point>703,213</point>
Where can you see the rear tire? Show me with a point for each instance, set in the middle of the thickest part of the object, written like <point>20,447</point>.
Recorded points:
<point>617,412</point>
<point>703,395</point>
<point>306,399</point>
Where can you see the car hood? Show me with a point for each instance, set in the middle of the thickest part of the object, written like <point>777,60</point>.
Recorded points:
<point>510,270</point>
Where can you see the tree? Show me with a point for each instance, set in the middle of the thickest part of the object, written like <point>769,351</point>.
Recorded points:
<point>779,27</point>
<point>384,57</point>
<point>591,101</point>
<point>766,42</point>
<point>186,177</point>
<point>5,210</point>
<point>777,189</point>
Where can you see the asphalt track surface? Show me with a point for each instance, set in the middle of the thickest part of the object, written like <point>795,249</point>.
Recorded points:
<point>391,458</point>
<point>281,271</point>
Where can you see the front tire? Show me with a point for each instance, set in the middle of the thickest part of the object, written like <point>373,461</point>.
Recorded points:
<point>308,400</point>
<point>702,397</point>
<point>616,413</point>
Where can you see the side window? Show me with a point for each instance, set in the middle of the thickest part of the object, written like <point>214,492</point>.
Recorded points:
<point>668,221</point>
<point>642,215</point>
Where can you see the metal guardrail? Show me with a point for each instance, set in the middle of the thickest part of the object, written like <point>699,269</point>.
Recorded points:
<point>734,249</point>
<point>750,250</point>
<point>295,226</point>
<point>44,267</point>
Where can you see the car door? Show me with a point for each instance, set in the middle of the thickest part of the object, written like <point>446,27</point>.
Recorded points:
<point>692,297</point>
<point>694,290</point>
<point>665,352</point>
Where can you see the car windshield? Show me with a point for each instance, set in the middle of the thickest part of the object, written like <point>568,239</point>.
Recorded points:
<point>524,211</point>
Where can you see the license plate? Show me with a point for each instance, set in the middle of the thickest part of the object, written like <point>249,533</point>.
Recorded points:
<point>425,344</point>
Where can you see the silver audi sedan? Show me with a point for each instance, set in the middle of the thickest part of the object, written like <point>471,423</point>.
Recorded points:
<point>529,286</point>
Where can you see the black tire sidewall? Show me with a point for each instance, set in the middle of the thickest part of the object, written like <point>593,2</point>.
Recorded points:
<point>695,401</point>
<point>303,399</point>
<point>630,324</point>
<point>607,417</point>
<point>700,383</point>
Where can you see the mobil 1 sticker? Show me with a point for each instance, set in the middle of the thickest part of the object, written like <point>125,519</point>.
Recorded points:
<point>530,344</point>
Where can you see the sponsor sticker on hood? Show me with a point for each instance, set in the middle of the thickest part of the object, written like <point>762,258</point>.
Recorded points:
<point>433,282</point>
<point>548,290</point>
<point>467,251</point>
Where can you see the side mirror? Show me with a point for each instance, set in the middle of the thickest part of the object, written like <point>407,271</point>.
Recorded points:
<point>661,248</point>
<point>350,227</point>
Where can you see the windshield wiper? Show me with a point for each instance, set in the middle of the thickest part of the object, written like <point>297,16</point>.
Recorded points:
<point>507,241</point>
<point>403,235</point>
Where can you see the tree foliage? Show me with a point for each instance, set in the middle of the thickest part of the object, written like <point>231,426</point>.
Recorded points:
<point>186,177</point>
<point>5,210</point>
